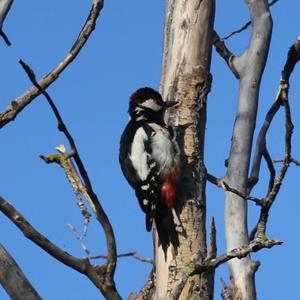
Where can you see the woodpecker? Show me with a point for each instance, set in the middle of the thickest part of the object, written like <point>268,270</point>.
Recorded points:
<point>150,161</point>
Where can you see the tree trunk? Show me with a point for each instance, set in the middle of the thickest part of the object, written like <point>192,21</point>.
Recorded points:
<point>13,279</point>
<point>185,78</point>
<point>249,67</point>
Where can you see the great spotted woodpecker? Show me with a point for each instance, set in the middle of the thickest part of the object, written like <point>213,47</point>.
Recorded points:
<point>150,161</point>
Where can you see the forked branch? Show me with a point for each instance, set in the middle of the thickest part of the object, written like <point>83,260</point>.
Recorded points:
<point>212,263</point>
<point>282,98</point>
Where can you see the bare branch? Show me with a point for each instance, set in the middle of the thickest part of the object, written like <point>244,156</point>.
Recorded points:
<point>97,274</point>
<point>244,27</point>
<point>80,239</point>
<point>213,263</point>
<point>292,160</point>
<point>31,233</point>
<point>271,168</point>
<point>224,52</point>
<point>281,99</point>
<point>19,103</point>
<point>261,148</point>
<point>214,180</point>
<point>64,160</point>
<point>268,202</point>
<point>13,280</point>
<point>5,6</point>
<point>85,188</point>
<point>257,201</point>
<point>133,254</point>
<point>235,253</point>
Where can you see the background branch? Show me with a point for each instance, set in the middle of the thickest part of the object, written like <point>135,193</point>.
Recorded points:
<point>250,67</point>
<point>5,6</point>
<point>224,53</point>
<point>13,280</point>
<point>96,273</point>
<point>282,98</point>
<point>211,264</point>
<point>133,254</point>
<point>31,233</point>
<point>240,252</point>
<point>19,103</point>
<point>86,188</point>
<point>245,26</point>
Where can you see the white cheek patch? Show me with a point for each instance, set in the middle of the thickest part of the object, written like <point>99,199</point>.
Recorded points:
<point>151,104</point>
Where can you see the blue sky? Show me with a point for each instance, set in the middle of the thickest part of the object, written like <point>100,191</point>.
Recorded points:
<point>123,54</point>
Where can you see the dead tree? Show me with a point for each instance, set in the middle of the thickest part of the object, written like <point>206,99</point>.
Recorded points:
<point>188,271</point>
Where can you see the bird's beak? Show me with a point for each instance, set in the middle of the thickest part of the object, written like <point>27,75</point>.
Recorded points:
<point>170,104</point>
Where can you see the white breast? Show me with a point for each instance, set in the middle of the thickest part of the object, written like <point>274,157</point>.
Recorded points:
<point>163,149</point>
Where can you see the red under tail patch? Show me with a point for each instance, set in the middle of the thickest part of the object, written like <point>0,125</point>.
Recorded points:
<point>168,193</point>
<point>168,189</point>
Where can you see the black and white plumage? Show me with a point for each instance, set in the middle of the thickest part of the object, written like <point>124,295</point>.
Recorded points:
<point>150,160</point>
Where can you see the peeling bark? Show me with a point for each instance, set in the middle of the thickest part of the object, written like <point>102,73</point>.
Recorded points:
<point>185,77</point>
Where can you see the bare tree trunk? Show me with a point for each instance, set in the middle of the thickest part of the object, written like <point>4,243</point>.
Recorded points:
<point>249,67</point>
<point>186,78</point>
<point>13,279</point>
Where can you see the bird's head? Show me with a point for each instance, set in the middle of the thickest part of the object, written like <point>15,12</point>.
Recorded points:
<point>147,104</point>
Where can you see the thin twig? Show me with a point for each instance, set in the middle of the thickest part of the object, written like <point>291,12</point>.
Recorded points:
<point>257,201</point>
<point>133,254</point>
<point>292,160</point>
<point>80,239</point>
<point>244,27</point>
<point>5,38</point>
<point>19,103</point>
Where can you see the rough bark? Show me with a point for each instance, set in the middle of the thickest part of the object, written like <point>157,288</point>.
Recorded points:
<point>13,279</point>
<point>185,77</point>
<point>249,66</point>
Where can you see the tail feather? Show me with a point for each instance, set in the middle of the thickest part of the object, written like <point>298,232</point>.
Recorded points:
<point>166,229</point>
